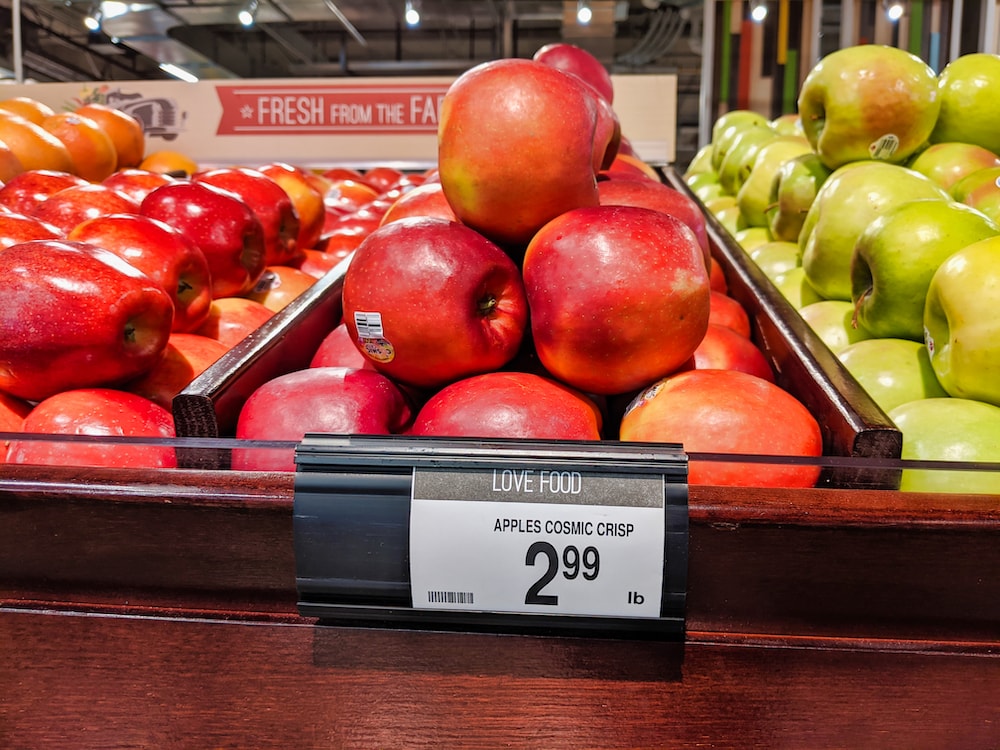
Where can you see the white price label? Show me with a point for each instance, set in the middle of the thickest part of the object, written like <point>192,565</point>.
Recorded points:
<point>537,541</point>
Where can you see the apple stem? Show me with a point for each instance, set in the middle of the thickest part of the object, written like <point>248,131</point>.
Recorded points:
<point>129,333</point>
<point>487,305</point>
<point>857,306</point>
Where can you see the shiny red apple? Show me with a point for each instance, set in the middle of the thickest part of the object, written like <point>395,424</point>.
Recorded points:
<point>271,204</point>
<point>509,405</point>
<point>338,400</point>
<point>431,301</point>
<point>76,316</point>
<point>619,296</point>
<point>223,227</point>
<point>163,254</point>
<point>97,412</point>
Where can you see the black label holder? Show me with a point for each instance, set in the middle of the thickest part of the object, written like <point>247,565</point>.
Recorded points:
<point>351,527</point>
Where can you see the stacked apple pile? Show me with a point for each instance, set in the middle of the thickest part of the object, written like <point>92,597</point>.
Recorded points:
<point>875,211</point>
<point>549,287</point>
<point>126,275</point>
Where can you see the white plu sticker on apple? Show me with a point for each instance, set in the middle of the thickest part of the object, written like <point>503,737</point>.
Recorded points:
<point>884,147</point>
<point>371,336</point>
<point>929,342</point>
<point>537,541</point>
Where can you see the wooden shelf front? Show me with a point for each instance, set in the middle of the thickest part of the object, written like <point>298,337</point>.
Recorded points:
<point>157,609</point>
<point>818,562</point>
<point>85,681</point>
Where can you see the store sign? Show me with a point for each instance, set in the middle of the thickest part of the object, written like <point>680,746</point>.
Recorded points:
<point>250,109</point>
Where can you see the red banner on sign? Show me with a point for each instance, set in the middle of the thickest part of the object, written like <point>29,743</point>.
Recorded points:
<point>368,109</point>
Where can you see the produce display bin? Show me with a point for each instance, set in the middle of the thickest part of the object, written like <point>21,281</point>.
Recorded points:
<point>852,425</point>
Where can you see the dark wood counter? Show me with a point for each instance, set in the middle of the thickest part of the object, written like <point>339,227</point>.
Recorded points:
<point>157,609</point>
<point>89,681</point>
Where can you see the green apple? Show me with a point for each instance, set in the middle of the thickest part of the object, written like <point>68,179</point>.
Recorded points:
<point>832,320</point>
<point>776,257</point>
<point>727,127</point>
<point>962,328</point>
<point>892,371</point>
<point>947,163</point>
<point>754,195</point>
<point>981,190</point>
<point>796,288</point>
<point>752,237</point>
<point>898,253</point>
<point>730,218</point>
<point>869,101</point>
<point>949,429</point>
<point>850,199</point>
<point>788,124</point>
<point>974,181</point>
<point>793,190</point>
<point>970,107</point>
<point>701,162</point>
<point>708,189</point>
<point>740,156</point>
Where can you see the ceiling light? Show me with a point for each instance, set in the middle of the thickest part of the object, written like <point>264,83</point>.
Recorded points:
<point>94,18</point>
<point>758,11</point>
<point>179,72</point>
<point>583,12</point>
<point>893,10</point>
<point>248,13</point>
<point>412,15</point>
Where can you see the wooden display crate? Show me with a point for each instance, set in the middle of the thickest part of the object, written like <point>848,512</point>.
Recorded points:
<point>852,425</point>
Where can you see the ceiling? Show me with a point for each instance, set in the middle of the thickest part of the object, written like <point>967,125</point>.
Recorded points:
<point>320,38</point>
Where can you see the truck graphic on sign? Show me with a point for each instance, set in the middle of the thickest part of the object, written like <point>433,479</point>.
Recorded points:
<point>160,116</point>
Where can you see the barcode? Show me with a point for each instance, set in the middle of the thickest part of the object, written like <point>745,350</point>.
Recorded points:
<point>369,324</point>
<point>449,597</point>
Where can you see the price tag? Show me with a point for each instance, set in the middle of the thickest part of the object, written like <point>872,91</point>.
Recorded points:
<point>536,540</point>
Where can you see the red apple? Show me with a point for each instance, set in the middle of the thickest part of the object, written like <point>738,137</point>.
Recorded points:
<point>358,223</point>
<point>383,177</point>
<point>342,173</point>
<point>279,285</point>
<point>76,316</point>
<point>305,195</point>
<point>432,301</point>
<point>337,349</point>
<point>74,205</point>
<point>619,296</point>
<point>519,143</point>
<point>28,189</point>
<point>16,228</point>
<point>581,63</point>
<point>186,356</point>
<point>225,228</point>
<point>509,405</point>
<point>425,200</point>
<point>136,183</point>
<point>726,311</point>
<point>349,195</point>
<point>97,412</point>
<point>727,411</point>
<point>162,253</point>
<point>13,410</point>
<point>725,349</point>
<point>318,263</point>
<point>271,204</point>
<point>339,400</point>
<point>717,277</point>
<point>232,319</point>
<point>629,166</point>
<point>659,197</point>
